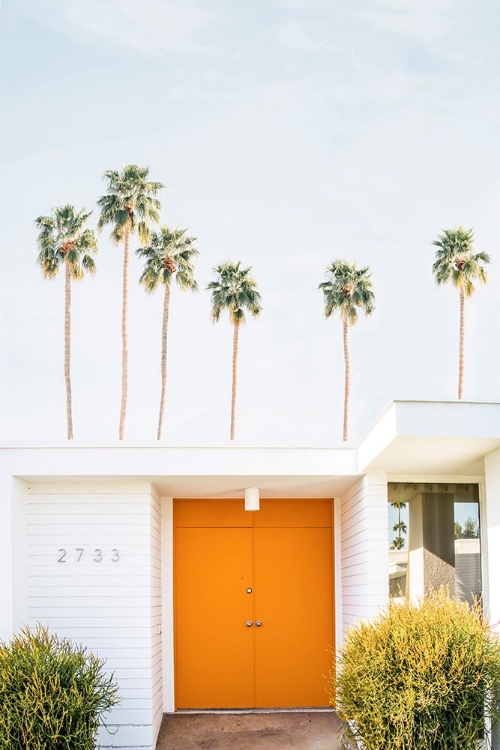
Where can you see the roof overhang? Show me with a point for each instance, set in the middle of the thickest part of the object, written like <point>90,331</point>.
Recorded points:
<point>191,472</point>
<point>431,438</point>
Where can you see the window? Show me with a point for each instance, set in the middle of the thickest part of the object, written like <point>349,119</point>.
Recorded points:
<point>434,540</point>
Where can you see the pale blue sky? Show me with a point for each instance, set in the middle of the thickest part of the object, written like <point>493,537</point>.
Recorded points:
<point>289,133</point>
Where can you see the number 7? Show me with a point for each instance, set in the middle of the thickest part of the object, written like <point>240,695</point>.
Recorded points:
<point>80,550</point>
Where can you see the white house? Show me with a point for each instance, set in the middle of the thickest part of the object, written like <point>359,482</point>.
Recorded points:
<point>147,555</point>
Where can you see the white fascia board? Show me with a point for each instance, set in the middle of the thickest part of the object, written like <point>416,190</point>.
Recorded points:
<point>37,462</point>
<point>450,419</point>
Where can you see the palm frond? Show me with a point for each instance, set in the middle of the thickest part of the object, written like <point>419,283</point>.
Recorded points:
<point>129,203</point>
<point>63,239</point>
<point>117,235</point>
<point>88,241</point>
<point>150,279</point>
<point>347,289</point>
<point>76,271</point>
<point>168,253</point>
<point>234,290</point>
<point>186,281</point>
<point>88,264</point>
<point>456,261</point>
<point>144,232</point>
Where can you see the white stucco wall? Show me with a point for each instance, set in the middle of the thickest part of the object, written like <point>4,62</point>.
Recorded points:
<point>364,549</point>
<point>108,596</point>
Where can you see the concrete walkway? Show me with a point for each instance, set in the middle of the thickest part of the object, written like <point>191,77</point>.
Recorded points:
<point>315,730</point>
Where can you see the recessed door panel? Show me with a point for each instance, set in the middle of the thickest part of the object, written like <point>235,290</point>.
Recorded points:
<point>214,648</point>
<point>211,513</point>
<point>282,513</point>
<point>294,603</point>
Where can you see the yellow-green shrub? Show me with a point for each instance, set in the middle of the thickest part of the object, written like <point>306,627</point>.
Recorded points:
<point>419,677</point>
<point>53,694</point>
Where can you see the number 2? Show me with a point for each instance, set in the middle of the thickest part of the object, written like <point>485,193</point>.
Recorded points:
<point>63,555</point>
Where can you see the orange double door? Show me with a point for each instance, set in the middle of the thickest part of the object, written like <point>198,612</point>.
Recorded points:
<point>253,602</point>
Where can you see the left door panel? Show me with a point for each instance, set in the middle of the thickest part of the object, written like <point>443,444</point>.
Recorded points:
<point>214,647</point>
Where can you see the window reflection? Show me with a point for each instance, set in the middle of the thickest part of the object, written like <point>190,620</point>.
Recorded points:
<point>434,540</point>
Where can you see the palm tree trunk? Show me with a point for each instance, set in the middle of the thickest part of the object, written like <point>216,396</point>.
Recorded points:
<point>235,379</point>
<point>461,344</point>
<point>347,378</point>
<point>166,305</point>
<point>67,347</point>
<point>126,265</point>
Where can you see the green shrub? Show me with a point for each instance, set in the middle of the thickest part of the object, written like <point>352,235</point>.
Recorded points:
<point>53,694</point>
<point>419,677</point>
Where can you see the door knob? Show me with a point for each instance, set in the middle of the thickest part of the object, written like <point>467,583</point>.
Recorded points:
<point>259,624</point>
<point>249,623</point>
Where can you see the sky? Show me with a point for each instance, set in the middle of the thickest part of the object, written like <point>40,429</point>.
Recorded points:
<point>288,133</point>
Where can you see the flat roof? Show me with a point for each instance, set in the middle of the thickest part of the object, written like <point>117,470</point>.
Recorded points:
<point>441,438</point>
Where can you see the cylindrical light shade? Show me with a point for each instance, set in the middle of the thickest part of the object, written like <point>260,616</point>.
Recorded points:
<point>252,498</point>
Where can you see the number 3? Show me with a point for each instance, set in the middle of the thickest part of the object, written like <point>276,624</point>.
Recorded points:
<point>99,555</point>
<point>116,555</point>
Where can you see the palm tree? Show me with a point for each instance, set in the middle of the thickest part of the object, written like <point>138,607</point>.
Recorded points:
<point>169,253</point>
<point>63,240</point>
<point>129,205</point>
<point>234,290</point>
<point>397,543</point>
<point>348,290</point>
<point>457,262</point>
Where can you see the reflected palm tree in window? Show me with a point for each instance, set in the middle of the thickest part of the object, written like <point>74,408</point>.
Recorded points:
<point>400,527</point>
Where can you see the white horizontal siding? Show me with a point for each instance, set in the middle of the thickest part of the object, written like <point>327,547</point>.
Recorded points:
<point>364,549</point>
<point>108,606</point>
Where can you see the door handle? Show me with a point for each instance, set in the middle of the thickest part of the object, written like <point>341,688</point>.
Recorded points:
<point>259,624</point>
<point>249,623</point>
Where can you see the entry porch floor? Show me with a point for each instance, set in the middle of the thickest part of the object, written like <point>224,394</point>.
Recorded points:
<point>303,730</point>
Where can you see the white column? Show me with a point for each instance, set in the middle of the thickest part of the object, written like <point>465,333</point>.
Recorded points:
<point>20,553</point>
<point>6,559</point>
<point>492,496</point>
<point>13,556</point>
<point>167,546</point>
<point>364,517</point>
<point>415,571</point>
<point>491,529</point>
<point>378,523</point>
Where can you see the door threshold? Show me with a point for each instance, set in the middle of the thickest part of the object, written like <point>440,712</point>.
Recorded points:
<point>301,710</point>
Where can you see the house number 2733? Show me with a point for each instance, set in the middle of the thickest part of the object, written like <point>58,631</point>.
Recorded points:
<point>96,555</point>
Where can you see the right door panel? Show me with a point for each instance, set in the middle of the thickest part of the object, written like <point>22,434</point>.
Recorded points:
<point>294,602</point>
